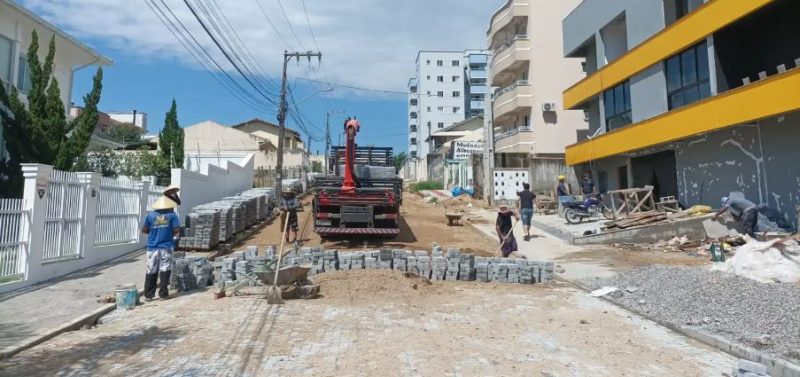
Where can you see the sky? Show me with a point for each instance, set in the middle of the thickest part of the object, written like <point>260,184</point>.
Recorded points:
<point>364,43</point>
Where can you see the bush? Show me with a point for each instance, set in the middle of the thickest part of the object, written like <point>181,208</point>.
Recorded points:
<point>425,185</point>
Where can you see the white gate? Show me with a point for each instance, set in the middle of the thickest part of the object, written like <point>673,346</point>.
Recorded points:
<point>118,208</point>
<point>13,243</point>
<point>508,182</point>
<point>66,204</point>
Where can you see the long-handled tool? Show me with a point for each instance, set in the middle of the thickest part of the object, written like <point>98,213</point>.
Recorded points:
<point>510,232</point>
<point>274,293</point>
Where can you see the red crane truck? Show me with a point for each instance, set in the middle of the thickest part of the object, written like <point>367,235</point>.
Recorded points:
<point>361,195</point>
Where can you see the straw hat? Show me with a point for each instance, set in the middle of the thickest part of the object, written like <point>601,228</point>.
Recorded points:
<point>171,188</point>
<point>163,203</point>
<point>288,190</point>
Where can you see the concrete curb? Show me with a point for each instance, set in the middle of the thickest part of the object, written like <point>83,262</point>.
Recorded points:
<point>75,324</point>
<point>777,367</point>
<point>553,231</point>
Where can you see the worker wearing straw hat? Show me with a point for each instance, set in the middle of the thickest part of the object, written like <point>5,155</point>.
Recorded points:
<point>161,226</point>
<point>504,228</point>
<point>171,192</point>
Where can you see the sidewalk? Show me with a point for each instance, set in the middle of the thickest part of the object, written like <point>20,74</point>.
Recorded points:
<point>38,311</point>
<point>546,246</point>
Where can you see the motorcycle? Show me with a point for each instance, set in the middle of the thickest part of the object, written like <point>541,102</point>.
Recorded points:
<point>577,211</point>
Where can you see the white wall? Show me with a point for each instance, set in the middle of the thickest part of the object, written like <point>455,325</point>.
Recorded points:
<point>140,121</point>
<point>218,182</point>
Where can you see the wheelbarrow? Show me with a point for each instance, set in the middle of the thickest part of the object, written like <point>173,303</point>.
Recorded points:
<point>453,218</point>
<point>291,279</point>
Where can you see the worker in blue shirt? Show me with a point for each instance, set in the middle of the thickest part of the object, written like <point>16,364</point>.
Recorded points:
<point>162,226</point>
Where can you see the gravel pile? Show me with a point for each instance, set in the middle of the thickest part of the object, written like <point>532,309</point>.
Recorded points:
<point>762,316</point>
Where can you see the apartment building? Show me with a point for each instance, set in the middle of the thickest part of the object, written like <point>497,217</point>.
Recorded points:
<point>528,73</point>
<point>440,94</point>
<point>697,99</point>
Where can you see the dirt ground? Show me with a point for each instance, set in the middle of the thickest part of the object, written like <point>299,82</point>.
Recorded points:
<point>377,322</point>
<point>421,224</point>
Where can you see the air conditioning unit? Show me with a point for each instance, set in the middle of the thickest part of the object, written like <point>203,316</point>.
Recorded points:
<point>548,106</point>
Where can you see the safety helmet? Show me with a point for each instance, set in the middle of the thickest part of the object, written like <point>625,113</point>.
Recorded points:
<point>562,177</point>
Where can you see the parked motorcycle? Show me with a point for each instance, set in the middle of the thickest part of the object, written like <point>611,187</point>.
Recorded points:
<point>577,211</point>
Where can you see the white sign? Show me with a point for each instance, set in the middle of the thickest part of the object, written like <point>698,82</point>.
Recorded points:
<point>462,150</point>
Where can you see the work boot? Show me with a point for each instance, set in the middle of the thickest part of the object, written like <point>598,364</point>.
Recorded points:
<point>150,285</point>
<point>163,290</point>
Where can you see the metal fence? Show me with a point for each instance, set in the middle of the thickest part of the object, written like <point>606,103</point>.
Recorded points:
<point>118,208</point>
<point>13,243</point>
<point>154,193</point>
<point>66,204</point>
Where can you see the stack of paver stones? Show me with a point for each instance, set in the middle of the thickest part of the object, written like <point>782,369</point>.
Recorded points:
<point>190,273</point>
<point>746,368</point>
<point>212,223</point>
<point>450,265</point>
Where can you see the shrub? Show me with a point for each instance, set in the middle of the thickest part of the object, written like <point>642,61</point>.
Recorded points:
<point>425,185</point>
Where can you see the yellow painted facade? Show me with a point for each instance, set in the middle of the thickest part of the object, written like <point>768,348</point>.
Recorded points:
<point>773,96</point>
<point>703,21</point>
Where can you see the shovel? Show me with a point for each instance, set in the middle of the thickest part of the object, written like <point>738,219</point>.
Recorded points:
<point>274,293</point>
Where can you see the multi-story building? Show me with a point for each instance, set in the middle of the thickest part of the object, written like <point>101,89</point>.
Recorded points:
<point>475,82</point>
<point>134,117</point>
<point>528,73</point>
<point>697,99</point>
<point>438,97</point>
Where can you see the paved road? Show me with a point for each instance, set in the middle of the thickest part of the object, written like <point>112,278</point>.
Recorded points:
<point>370,323</point>
<point>36,310</point>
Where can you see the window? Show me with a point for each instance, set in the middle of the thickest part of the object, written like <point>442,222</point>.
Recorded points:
<point>440,109</point>
<point>428,77</point>
<point>440,78</point>
<point>412,127</point>
<point>440,94</point>
<point>617,103</point>
<point>429,109</point>
<point>5,59</point>
<point>456,110</point>
<point>428,62</point>
<point>440,124</point>
<point>413,102</point>
<point>413,154</point>
<point>413,141</point>
<point>456,94</point>
<point>23,76</point>
<point>527,121</point>
<point>413,115</point>
<point>681,8</point>
<point>687,76</point>
<point>455,78</point>
<point>439,63</point>
<point>456,63</point>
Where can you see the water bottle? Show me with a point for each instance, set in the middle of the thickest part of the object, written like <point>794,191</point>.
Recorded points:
<point>713,251</point>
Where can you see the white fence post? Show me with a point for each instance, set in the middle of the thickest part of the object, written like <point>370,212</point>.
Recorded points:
<point>37,178</point>
<point>91,185</point>
<point>143,206</point>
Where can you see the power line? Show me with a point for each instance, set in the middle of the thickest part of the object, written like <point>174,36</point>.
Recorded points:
<point>271,24</point>
<point>227,55</point>
<point>373,89</point>
<point>310,29</point>
<point>291,28</point>
<point>202,56</point>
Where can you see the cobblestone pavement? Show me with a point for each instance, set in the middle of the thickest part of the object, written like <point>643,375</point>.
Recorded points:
<point>445,329</point>
<point>34,311</point>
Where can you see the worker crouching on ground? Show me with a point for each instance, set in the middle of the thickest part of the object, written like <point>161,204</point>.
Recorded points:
<point>162,226</point>
<point>743,210</point>
<point>525,206</point>
<point>289,205</point>
<point>504,228</point>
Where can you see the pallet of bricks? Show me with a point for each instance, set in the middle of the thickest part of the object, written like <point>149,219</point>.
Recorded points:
<point>217,222</point>
<point>190,273</point>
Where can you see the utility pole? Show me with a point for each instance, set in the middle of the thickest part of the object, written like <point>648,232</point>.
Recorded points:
<point>327,139</point>
<point>287,56</point>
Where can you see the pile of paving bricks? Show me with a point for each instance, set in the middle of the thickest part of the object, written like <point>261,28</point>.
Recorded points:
<point>190,273</point>
<point>212,223</point>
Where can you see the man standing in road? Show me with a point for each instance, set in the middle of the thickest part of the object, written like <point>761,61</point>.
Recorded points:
<point>525,207</point>
<point>161,226</point>
<point>587,185</point>
<point>289,206</point>
<point>743,210</point>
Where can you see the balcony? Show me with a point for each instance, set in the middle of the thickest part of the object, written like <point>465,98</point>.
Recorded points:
<point>514,140</point>
<point>478,59</point>
<point>511,57</point>
<point>479,73</point>
<point>477,105</point>
<point>478,89</point>
<point>512,98</point>
<point>506,14</point>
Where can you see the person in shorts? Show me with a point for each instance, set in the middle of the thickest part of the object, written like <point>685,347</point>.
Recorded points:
<point>289,205</point>
<point>162,226</point>
<point>525,205</point>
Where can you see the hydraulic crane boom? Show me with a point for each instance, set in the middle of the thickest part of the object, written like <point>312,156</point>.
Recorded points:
<point>351,128</point>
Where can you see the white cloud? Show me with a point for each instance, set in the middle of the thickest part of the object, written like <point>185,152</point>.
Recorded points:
<point>370,43</point>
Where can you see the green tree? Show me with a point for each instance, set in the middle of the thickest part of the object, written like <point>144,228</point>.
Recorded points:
<point>399,161</point>
<point>39,131</point>
<point>171,138</point>
<point>316,166</point>
<point>125,133</point>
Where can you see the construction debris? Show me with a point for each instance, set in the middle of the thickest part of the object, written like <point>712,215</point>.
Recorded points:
<point>774,261</point>
<point>636,219</point>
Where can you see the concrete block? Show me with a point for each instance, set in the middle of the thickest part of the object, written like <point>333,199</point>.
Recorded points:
<point>749,366</point>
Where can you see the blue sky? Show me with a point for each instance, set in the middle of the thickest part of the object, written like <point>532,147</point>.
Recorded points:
<point>365,43</point>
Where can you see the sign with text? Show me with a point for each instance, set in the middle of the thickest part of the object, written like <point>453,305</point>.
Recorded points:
<point>462,150</point>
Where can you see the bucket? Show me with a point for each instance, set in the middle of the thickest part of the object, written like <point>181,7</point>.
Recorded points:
<point>126,298</point>
<point>132,287</point>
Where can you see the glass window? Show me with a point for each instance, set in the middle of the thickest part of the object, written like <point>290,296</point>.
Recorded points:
<point>455,78</point>
<point>456,63</point>
<point>688,67</point>
<point>456,110</point>
<point>617,105</point>
<point>440,94</point>
<point>456,94</point>
<point>440,124</point>
<point>5,59</point>
<point>439,63</point>
<point>23,76</point>
<point>687,76</point>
